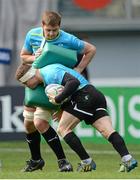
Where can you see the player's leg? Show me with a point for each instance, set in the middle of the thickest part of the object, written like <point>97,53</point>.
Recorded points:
<point>104,126</point>
<point>65,127</point>
<point>33,139</point>
<point>41,123</point>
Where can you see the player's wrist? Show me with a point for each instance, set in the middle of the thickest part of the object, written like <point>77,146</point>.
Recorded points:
<point>78,69</point>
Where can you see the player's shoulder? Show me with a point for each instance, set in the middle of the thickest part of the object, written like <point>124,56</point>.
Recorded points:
<point>66,34</point>
<point>35,31</point>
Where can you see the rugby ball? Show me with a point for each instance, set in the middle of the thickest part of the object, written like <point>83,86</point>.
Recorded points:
<point>54,89</point>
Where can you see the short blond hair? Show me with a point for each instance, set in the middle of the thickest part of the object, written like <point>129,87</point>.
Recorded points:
<point>51,18</point>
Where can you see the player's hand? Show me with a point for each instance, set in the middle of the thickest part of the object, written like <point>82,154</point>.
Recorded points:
<point>38,53</point>
<point>56,116</point>
<point>52,99</point>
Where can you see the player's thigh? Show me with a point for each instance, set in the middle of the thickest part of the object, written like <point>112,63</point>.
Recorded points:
<point>104,126</point>
<point>28,113</point>
<point>67,123</point>
<point>42,114</point>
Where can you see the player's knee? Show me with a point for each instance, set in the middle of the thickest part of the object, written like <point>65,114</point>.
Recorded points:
<point>60,130</point>
<point>41,125</point>
<point>63,131</point>
<point>106,132</point>
<point>29,126</point>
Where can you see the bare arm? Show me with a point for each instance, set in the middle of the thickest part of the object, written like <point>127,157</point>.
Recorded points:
<point>29,58</point>
<point>89,52</point>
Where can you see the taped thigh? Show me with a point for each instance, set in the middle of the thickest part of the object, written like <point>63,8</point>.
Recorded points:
<point>28,115</point>
<point>42,114</point>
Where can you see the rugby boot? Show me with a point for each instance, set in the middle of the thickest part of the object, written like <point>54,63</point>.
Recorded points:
<point>128,165</point>
<point>33,165</point>
<point>85,167</point>
<point>64,166</point>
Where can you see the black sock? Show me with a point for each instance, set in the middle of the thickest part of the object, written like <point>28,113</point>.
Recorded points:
<point>33,140</point>
<point>54,142</point>
<point>74,142</point>
<point>118,143</point>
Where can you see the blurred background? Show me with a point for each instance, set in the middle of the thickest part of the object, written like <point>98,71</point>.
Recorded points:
<point>113,26</point>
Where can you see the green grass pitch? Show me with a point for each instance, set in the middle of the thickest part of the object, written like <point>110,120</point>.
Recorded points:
<point>14,154</point>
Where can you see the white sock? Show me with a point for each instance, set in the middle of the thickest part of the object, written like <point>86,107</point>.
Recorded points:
<point>87,161</point>
<point>126,158</point>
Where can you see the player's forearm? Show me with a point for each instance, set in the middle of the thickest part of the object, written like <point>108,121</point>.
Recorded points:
<point>70,86</point>
<point>28,59</point>
<point>26,56</point>
<point>69,89</point>
<point>84,62</point>
<point>90,52</point>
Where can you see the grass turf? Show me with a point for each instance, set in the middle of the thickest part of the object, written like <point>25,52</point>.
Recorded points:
<point>14,154</point>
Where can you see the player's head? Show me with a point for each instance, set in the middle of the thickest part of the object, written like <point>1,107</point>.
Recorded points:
<point>51,18</point>
<point>26,74</point>
<point>51,24</point>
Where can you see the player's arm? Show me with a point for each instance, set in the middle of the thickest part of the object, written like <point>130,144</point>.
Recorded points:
<point>70,84</point>
<point>27,57</point>
<point>89,52</point>
<point>26,54</point>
